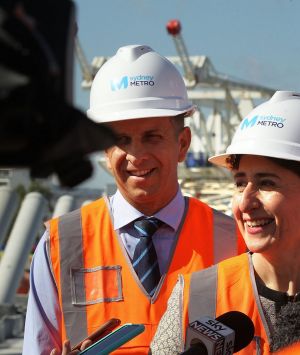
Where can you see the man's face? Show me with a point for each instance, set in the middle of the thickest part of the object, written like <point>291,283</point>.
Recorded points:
<point>144,161</point>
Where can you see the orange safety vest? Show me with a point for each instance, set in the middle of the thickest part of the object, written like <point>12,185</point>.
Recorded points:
<point>293,349</point>
<point>228,286</point>
<point>95,278</point>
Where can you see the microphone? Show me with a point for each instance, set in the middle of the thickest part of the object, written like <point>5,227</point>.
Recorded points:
<point>225,335</point>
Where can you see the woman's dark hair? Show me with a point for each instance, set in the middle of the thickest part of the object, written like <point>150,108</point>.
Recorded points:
<point>233,162</point>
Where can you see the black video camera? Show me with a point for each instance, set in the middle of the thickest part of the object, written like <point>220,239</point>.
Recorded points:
<point>39,127</point>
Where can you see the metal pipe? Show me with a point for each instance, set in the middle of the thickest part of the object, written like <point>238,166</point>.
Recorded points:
<point>8,207</point>
<point>19,244</point>
<point>63,205</point>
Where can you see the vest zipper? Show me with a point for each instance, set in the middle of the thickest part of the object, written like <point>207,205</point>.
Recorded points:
<point>181,282</point>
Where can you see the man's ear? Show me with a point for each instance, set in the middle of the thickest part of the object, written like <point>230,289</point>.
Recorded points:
<point>184,139</point>
<point>107,159</point>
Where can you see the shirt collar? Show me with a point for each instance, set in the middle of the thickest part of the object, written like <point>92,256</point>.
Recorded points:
<point>123,213</point>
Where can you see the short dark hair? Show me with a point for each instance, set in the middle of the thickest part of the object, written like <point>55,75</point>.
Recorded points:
<point>233,162</point>
<point>178,123</point>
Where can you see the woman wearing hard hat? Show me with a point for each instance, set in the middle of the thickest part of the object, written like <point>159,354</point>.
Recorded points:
<point>264,284</point>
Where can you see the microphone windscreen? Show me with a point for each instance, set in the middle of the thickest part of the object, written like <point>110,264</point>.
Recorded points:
<point>242,326</point>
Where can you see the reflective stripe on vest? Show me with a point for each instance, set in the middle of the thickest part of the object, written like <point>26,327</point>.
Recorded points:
<point>70,232</point>
<point>224,236</point>
<point>203,293</point>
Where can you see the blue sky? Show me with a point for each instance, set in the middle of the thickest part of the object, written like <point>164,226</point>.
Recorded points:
<point>254,40</point>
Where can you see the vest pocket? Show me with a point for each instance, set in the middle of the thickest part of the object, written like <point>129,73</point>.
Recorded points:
<point>96,285</point>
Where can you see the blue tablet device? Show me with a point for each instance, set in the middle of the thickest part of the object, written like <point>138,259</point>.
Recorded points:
<point>114,340</point>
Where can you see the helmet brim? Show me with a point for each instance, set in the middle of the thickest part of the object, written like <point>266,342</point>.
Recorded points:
<point>220,160</point>
<point>138,113</point>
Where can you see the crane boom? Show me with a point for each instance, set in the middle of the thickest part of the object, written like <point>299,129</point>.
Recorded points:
<point>86,69</point>
<point>174,29</point>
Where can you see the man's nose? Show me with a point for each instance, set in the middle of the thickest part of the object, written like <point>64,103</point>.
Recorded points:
<point>136,152</point>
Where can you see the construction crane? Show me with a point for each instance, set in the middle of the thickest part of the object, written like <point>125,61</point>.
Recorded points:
<point>86,69</point>
<point>221,103</point>
<point>221,100</point>
<point>199,69</point>
<point>174,29</point>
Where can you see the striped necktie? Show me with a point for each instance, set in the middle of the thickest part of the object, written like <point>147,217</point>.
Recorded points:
<point>145,259</point>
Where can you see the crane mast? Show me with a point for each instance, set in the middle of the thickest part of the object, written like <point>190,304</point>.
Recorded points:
<point>174,29</point>
<point>86,68</point>
<point>221,101</point>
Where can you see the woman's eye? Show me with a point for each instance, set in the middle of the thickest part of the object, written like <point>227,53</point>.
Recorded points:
<point>240,185</point>
<point>267,183</point>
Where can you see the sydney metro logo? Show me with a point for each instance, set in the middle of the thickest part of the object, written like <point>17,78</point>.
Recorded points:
<point>131,81</point>
<point>263,120</point>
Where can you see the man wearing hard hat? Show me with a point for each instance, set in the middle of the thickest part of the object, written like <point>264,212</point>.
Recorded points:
<point>119,257</point>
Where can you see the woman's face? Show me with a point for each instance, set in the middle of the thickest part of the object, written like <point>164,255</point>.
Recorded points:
<point>266,205</point>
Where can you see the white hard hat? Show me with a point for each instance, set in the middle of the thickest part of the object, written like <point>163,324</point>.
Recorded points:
<point>135,83</point>
<point>272,129</point>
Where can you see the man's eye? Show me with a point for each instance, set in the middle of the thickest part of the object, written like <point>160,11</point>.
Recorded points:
<point>154,137</point>
<point>122,140</point>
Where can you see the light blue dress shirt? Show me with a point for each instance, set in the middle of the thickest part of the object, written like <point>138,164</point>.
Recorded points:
<point>43,318</point>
